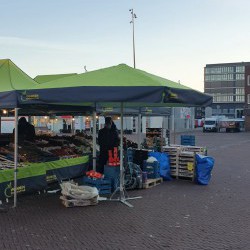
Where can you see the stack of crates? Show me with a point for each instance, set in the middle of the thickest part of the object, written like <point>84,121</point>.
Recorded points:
<point>186,168</point>
<point>113,174</point>
<point>152,169</point>
<point>173,152</point>
<point>188,140</point>
<point>182,160</point>
<point>102,185</point>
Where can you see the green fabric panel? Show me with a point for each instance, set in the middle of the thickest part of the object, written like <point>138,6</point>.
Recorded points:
<point>23,172</point>
<point>165,82</point>
<point>13,78</point>
<point>61,163</point>
<point>47,78</point>
<point>120,75</point>
<point>36,169</point>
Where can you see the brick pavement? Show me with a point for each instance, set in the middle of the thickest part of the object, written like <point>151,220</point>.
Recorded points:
<point>174,215</point>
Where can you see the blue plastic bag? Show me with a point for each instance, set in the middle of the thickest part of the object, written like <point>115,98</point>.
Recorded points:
<point>204,167</point>
<point>163,159</point>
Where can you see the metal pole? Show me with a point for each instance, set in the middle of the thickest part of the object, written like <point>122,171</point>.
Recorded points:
<point>94,139</point>
<point>162,133</point>
<point>15,156</point>
<point>121,154</point>
<point>133,22</point>
<point>174,127</point>
<point>139,129</point>
<point>122,198</point>
<point>134,40</point>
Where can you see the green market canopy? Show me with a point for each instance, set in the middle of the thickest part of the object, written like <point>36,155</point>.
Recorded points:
<point>48,78</point>
<point>113,85</point>
<point>146,111</point>
<point>12,78</point>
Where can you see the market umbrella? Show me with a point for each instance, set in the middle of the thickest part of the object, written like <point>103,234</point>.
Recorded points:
<point>113,85</point>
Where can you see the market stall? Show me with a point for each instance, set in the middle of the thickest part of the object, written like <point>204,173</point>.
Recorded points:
<point>118,86</point>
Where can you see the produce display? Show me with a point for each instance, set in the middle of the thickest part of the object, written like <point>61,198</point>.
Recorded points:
<point>46,148</point>
<point>129,144</point>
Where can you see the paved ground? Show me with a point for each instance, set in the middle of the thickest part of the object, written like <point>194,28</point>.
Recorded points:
<point>174,215</point>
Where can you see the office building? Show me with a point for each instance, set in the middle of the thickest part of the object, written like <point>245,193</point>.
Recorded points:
<point>247,99</point>
<point>226,83</point>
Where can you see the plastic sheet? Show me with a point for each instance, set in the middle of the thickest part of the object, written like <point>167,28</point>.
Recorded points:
<point>204,167</point>
<point>163,159</point>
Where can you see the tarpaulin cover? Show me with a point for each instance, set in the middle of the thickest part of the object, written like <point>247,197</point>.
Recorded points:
<point>163,159</point>
<point>204,167</point>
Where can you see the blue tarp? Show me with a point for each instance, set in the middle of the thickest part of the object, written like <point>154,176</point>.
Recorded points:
<point>163,159</point>
<point>204,167</point>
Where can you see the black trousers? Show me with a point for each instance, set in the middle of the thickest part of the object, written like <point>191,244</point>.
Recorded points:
<point>103,158</point>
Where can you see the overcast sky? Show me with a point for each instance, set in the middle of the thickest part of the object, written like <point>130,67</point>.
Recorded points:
<point>174,38</point>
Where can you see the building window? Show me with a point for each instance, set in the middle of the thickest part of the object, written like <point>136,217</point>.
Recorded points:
<point>223,77</point>
<point>239,98</point>
<point>219,98</point>
<point>248,80</point>
<point>248,99</point>
<point>208,78</point>
<point>240,77</point>
<point>240,69</point>
<point>240,91</point>
<point>230,77</point>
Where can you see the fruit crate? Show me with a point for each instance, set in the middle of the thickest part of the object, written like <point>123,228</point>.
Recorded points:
<point>152,169</point>
<point>188,140</point>
<point>102,185</point>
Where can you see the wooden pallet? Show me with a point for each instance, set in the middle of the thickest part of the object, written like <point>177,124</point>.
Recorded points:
<point>152,182</point>
<point>185,178</point>
<point>195,149</point>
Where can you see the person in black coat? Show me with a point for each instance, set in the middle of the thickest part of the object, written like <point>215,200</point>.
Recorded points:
<point>26,131</point>
<point>108,139</point>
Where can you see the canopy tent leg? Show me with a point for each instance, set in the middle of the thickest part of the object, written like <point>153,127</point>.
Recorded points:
<point>139,129</point>
<point>94,139</point>
<point>121,189</point>
<point>15,156</point>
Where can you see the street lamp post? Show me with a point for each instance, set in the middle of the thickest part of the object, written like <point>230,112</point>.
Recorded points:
<point>133,15</point>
